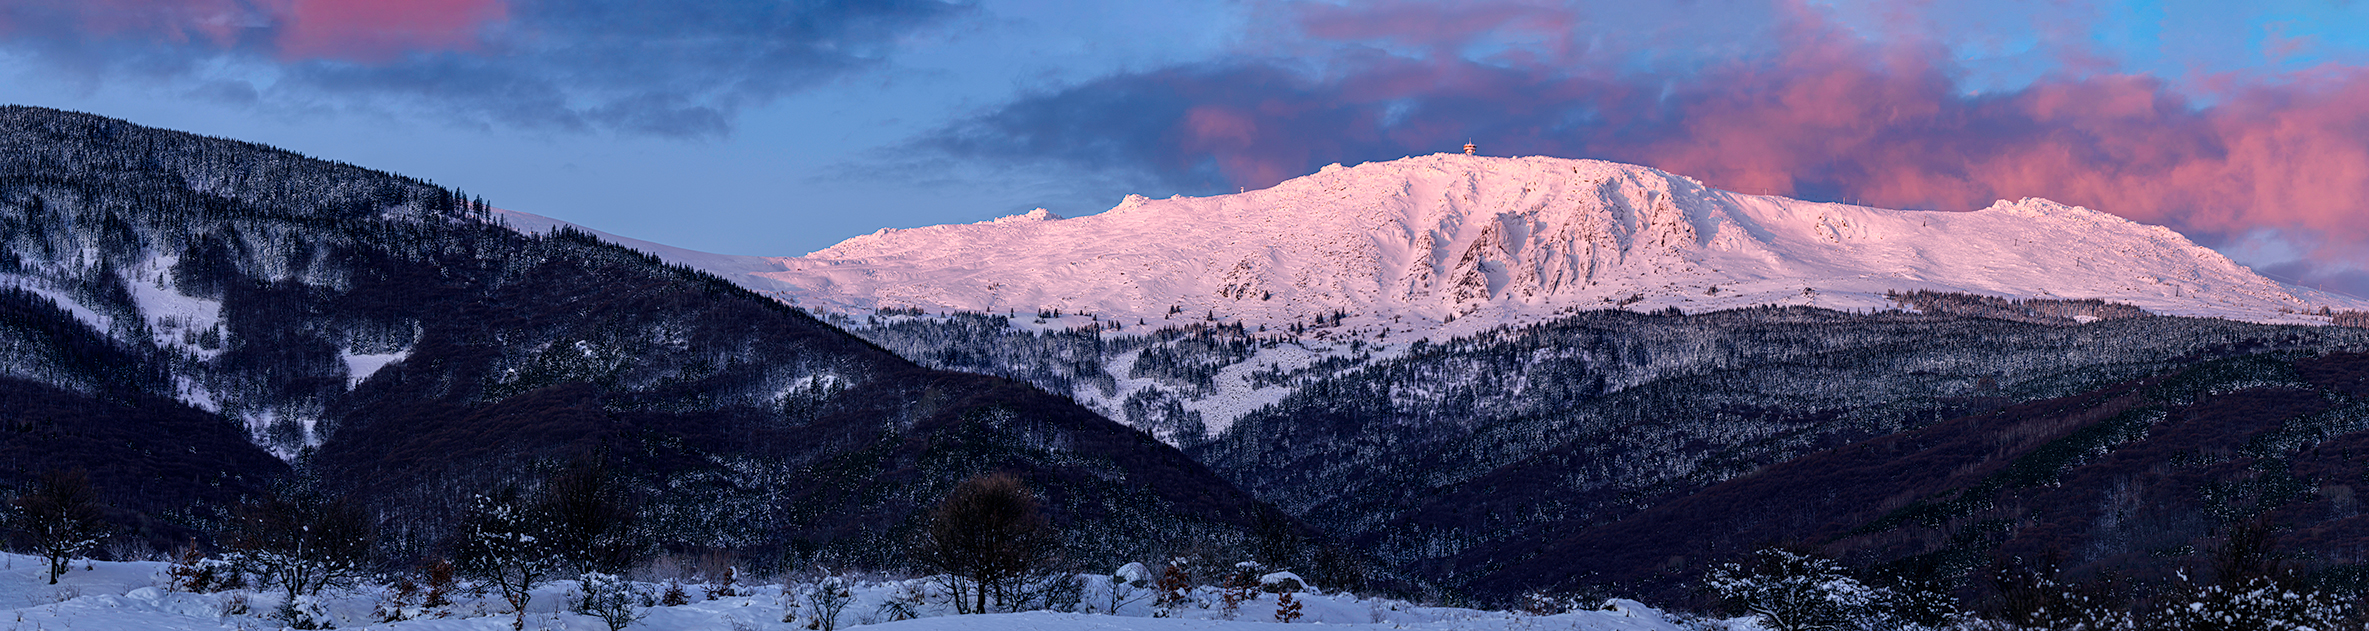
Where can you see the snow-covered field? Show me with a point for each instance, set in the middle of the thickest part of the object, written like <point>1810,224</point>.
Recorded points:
<point>110,596</point>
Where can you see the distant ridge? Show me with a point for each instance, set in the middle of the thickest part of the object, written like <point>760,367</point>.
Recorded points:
<point>1424,241</point>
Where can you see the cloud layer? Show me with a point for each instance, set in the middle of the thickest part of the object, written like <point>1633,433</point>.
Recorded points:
<point>644,66</point>
<point>1796,101</point>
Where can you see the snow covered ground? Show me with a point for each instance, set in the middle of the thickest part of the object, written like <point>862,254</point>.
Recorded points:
<point>109,596</point>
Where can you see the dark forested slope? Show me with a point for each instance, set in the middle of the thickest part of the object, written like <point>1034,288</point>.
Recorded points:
<point>179,291</point>
<point>2145,479</point>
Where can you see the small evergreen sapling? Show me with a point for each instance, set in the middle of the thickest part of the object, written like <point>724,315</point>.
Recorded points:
<point>401,601</point>
<point>1241,586</point>
<point>191,571</point>
<point>724,587</point>
<point>1287,609</point>
<point>1175,588</point>
<point>439,575</point>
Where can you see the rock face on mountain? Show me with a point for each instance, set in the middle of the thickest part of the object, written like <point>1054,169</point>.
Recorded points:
<point>178,310</point>
<point>1409,244</point>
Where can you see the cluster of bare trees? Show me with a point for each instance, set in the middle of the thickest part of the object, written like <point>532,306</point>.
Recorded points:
<point>991,539</point>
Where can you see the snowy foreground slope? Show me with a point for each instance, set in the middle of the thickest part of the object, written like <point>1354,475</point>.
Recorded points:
<point>133,597</point>
<point>1420,241</point>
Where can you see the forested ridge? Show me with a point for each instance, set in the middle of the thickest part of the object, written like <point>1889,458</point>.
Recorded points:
<point>201,323</point>
<point>1431,452</point>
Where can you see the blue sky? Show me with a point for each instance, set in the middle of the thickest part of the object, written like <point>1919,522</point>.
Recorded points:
<point>780,127</point>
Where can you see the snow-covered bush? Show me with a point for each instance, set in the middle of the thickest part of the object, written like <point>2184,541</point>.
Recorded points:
<point>2257,603</point>
<point>1794,591</point>
<point>902,602</point>
<point>614,600</point>
<point>1130,584</point>
<point>830,596</point>
<point>503,545</point>
<point>1175,588</point>
<point>302,542</point>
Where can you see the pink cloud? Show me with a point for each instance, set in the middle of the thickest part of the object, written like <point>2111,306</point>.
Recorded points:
<point>1825,112</point>
<point>368,31</point>
<point>379,30</point>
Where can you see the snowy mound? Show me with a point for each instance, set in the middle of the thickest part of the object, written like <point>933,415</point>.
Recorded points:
<point>1439,237</point>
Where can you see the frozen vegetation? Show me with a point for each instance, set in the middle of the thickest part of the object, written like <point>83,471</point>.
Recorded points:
<point>144,596</point>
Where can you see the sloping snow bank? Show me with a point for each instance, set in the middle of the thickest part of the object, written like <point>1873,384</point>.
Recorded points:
<point>108,596</point>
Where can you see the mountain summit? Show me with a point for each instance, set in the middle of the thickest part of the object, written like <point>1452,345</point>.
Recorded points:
<point>1441,237</point>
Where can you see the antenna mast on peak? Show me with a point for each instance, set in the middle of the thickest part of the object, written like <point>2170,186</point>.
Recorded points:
<point>1469,147</point>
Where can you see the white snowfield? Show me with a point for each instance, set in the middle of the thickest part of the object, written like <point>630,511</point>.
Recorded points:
<point>1421,240</point>
<point>1441,246</point>
<point>112,596</point>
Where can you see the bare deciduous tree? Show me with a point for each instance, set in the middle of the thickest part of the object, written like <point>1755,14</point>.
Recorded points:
<point>60,515</point>
<point>990,537</point>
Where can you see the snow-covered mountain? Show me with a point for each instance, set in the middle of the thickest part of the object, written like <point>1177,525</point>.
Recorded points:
<point>1426,240</point>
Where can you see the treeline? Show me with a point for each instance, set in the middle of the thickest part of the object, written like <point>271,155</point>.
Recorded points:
<point>2243,586</point>
<point>2059,312</point>
<point>990,542</point>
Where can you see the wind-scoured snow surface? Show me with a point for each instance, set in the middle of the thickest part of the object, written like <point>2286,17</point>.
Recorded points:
<point>108,596</point>
<point>1424,240</point>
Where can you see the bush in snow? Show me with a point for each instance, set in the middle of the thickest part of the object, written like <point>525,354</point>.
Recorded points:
<point>503,545</point>
<point>2033,596</point>
<point>400,602</point>
<point>725,585</point>
<point>441,577</point>
<point>60,516</point>
<point>1131,583</point>
<point>1241,585</point>
<point>830,596</point>
<point>2252,603</point>
<point>303,612</point>
<point>194,573</point>
<point>1175,588</point>
<point>615,601</point>
<point>903,602</point>
<point>1793,591</point>
<point>303,541</point>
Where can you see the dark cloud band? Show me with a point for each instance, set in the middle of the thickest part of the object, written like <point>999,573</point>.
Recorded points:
<point>642,66</point>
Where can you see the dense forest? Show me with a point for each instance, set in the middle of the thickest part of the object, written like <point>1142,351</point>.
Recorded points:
<point>1434,451</point>
<point>202,324</point>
